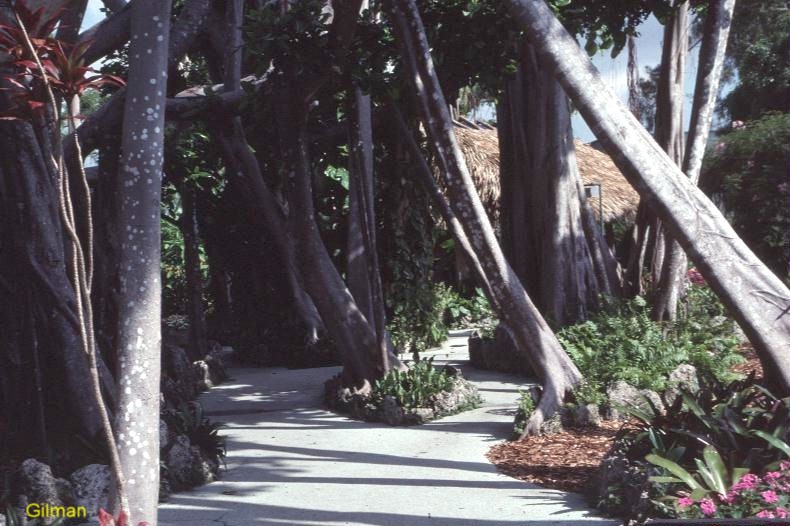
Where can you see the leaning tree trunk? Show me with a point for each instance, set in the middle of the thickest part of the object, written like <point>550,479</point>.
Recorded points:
<point>140,338</point>
<point>754,295</point>
<point>238,153</point>
<point>711,63</point>
<point>533,336</point>
<point>425,176</point>
<point>542,211</point>
<point>669,135</point>
<point>364,277</point>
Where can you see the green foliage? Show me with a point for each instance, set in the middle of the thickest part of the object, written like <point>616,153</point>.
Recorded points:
<point>758,51</point>
<point>189,420</point>
<point>749,170</point>
<point>412,388</point>
<point>622,342</point>
<point>589,391</point>
<point>524,408</point>
<point>742,421</point>
<point>710,477</point>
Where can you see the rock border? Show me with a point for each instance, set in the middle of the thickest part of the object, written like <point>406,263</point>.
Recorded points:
<point>462,397</point>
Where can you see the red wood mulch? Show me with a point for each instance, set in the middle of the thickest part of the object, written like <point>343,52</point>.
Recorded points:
<point>564,461</point>
<point>567,460</point>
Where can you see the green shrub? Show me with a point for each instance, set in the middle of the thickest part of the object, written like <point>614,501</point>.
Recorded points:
<point>419,325</point>
<point>412,388</point>
<point>622,342</point>
<point>524,408</point>
<point>742,421</point>
<point>749,171</point>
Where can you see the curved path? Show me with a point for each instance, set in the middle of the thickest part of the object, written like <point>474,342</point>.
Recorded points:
<point>290,462</point>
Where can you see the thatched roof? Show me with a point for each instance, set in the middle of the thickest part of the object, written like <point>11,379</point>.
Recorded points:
<point>481,150</point>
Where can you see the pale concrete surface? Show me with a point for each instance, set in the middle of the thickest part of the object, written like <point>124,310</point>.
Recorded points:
<point>290,462</point>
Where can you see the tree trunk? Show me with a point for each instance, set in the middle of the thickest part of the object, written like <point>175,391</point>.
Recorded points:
<point>41,252</point>
<point>364,278</point>
<point>534,338</point>
<point>669,135</point>
<point>140,339</point>
<point>441,203</point>
<point>711,62</point>
<point>348,327</point>
<point>238,153</point>
<point>754,295</point>
<point>198,346</point>
<point>542,210</point>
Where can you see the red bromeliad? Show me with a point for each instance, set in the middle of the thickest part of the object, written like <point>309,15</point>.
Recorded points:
<point>105,519</point>
<point>64,65</point>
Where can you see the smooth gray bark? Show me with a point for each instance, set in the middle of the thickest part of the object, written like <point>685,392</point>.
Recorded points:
<point>534,338</point>
<point>140,339</point>
<point>755,296</point>
<point>669,135</point>
<point>710,64</point>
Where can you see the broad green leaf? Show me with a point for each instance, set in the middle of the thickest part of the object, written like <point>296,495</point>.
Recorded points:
<point>778,443</point>
<point>717,469</point>
<point>675,469</point>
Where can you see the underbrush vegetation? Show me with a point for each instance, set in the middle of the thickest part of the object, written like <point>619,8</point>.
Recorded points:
<point>622,342</point>
<point>721,451</point>
<point>413,387</point>
<point>428,326</point>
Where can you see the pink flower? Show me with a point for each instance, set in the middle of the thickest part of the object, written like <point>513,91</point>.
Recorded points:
<point>729,498</point>
<point>772,476</point>
<point>784,465</point>
<point>782,513</point>
<point>769,496</point>
<point>765,514</point>
<point>685,502</point>
<point>707,506</point>
<point>747,481</point>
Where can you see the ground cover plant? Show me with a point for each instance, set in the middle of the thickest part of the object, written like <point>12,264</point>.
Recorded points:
<point>623,342</point>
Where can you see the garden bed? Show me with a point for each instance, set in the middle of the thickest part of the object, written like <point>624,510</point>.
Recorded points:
<point>566,460</point>
<point>417,395</point>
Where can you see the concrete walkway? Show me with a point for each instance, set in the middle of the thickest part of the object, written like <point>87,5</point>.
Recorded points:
<point>290,462</point>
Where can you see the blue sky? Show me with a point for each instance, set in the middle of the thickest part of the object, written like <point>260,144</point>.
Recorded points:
<point>613,71</point>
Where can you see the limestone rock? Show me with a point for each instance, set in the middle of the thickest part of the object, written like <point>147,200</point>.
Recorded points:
<point>622,394</point>
<point>683,377</point>
<point>92,487</point>
<point>203,375</point>
<point>586,415</point>
<point>391,411</point>
<point>187,466</point>
<point>35,480</point>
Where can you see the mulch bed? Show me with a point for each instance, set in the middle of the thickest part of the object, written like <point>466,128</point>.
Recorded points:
<point>564,461</point>
<point>567,460</point>
<point>752,363</point>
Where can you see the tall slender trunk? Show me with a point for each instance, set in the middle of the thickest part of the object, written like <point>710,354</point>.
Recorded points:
<point>669,135</point>
<point>364,277</point>
<point>711,62</point>
<point>535,340</point>
<point>198,345</point>
<point>442,205</point>
<point>140,339</point>
<point>755,296</point>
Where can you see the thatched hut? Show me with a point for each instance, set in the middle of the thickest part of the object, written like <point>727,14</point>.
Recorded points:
<point>481,150</point>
